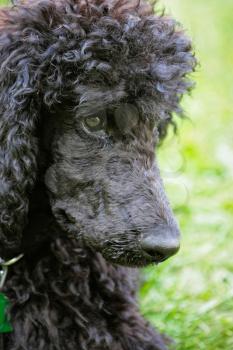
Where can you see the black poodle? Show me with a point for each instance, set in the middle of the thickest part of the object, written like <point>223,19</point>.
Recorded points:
<point>87,90</point>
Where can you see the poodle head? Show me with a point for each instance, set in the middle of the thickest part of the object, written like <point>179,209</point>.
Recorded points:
<point>88,88</point>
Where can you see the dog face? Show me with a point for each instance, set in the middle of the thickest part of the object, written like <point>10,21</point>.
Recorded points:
<point>102,79</point>
<point>105,186</point>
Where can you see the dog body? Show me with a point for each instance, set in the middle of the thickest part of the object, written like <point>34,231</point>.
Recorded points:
<point>88,89</point>
<point>74,299</point>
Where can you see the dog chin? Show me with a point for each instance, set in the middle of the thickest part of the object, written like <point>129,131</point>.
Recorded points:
<point>129,261</point>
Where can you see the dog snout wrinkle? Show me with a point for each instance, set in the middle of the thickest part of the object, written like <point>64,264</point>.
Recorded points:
<point>161,243</point>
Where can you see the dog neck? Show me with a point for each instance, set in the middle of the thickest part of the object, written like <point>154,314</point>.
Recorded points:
<point>61,276</point>
<point>71,281</point>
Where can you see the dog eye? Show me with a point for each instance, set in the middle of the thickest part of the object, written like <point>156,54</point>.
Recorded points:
<point>126,117</point>
<point>93,122</point>
<point>96,123</point>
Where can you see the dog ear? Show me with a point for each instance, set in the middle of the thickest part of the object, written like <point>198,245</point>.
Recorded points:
<point>18,144</point>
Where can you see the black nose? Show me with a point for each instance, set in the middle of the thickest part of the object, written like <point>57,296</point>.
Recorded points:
<point>161,242</point>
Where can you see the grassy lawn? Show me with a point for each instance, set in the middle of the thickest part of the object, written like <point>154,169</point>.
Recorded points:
<point>190,297</point>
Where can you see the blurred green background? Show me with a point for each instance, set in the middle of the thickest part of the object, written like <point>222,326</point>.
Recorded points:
<point>190,297</point>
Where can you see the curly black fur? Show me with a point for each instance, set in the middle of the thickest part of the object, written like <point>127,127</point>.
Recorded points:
<point>78,203</point>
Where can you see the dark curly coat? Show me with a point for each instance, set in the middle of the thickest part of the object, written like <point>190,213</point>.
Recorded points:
<point>86,90</point>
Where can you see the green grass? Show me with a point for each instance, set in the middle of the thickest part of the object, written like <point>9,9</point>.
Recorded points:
<point>190,296</point>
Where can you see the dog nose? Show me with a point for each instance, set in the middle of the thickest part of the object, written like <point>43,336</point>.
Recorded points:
<point>161,243</point>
